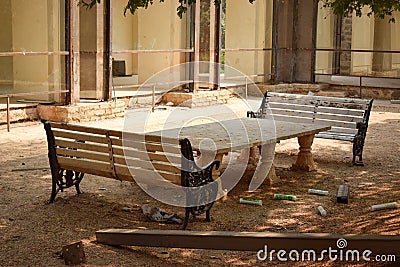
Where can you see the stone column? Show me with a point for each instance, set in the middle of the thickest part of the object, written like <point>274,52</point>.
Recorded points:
<point>295,37</point>
<point>345,43</point>
<point>92,52</point>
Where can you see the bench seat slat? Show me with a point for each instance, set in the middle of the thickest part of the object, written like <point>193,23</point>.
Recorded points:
<point>147,155</point>
<point>103,157</point>
<point>123,173</point>
<point>80,136</point>
<point>345,131</point>
<point>310,108</point>
<point>323,116</point>
<point>150,165</point>
<point>300,101</point>
<point>83,146</point>
<point>310,120</point>
<point>80,129</point>
<point>336,136</point>
<point>85,129</point>
<point>328,99</point>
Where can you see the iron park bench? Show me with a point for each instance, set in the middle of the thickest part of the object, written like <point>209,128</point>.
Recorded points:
<point>75,150</point>
<point>347,116</point>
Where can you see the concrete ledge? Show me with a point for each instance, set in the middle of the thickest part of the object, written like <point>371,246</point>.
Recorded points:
<point>18,112</point>
<point>199,99</point>
<point>82,111</point>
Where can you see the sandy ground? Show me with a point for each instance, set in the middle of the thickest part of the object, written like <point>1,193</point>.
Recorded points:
<point>33,232</point>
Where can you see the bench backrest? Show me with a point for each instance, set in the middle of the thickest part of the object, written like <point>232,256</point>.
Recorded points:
<point>108,153</point>
<point>342,114</point>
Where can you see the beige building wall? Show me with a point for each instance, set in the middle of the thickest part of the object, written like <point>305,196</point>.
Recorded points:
<point>29,33</point>
<point>6,63</point>
<point>156,28</point>
<point>325,39</point>
<point>396,42</point>
<point>31,26</point>
<point>159,27</point>
<point>124,35</point>
<point>363,38</point>
<point>249,26</point>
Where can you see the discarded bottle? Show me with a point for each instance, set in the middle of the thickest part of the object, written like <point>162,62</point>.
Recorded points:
<point>285,197</point>
<point>391,205</point>
<point>322,211</point>
<point>318,192</point>
<point>250,201</point>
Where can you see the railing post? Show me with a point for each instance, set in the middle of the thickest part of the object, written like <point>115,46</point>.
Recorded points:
<point>8,113</point>
<point>153,96</point>
<point>246,87</point>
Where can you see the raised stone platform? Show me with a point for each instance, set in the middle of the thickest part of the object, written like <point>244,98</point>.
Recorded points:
<point>18,112</point>
<point>199,99</point>
<point>82,111</point>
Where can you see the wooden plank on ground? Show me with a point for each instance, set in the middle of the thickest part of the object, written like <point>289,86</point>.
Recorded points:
<point>249,241</point>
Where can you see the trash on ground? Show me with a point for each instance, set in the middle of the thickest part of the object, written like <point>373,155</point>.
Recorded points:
<point>343,194</point>
<point>163,254</point>
<point>285,197</point>
<point>391,205</point>
<point>322,211</point>
<point>156,215</point>
<point>318,192</point>
<point>250,201</point>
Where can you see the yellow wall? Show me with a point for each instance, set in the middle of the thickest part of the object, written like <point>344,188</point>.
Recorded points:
<point>30,34</point>
<point>124,35</point>
<point>31,26</point>
<point>248,26</point>
<point>363,38</point>
<point>156,28</point>
<point>6,63</point>
<point>396,41</point>
<point>159,28</point>
<point>325,39</point>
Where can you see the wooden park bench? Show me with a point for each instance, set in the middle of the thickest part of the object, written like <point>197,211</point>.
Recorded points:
<point>75,150</point>
<point>348,117</point>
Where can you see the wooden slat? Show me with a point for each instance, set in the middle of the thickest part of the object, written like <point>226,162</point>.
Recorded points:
<point>150,138</point>
<point>310,108</point>
<point>85,129</point>
<point>351,125</point>
<point>317,121</point>
<point>113,133</point>
<point>301,101</point>
<point>293,113</point>
<point>279,105</point>
<point>292,119</point>
<point>83,154</point>
<point>102,169</point>
<point>321,98</point>
<point>147,164</point>
<point>335,136</point>
<point>343,130</point>
<point>323,116</point>
<point>80,136</point>
<point>249,241</point>
<point>335,117</point>
<point>147,155</point>
<point>150,146</point>
<point>342,111</point>
<point>83,146</point>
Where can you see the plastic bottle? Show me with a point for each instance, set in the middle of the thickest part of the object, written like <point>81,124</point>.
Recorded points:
<point>250,201</point>
<point>318,192</point>
<point>391,205</point>
<point>285,197</point>
<point>322,211</point>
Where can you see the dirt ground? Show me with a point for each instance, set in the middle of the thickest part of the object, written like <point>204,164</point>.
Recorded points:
<point>33,232</point>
